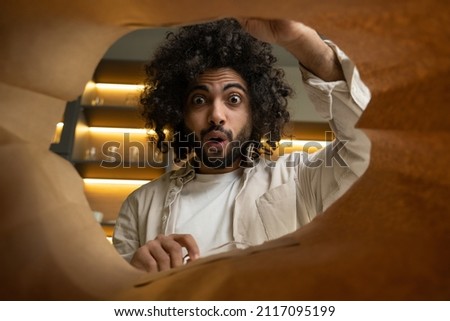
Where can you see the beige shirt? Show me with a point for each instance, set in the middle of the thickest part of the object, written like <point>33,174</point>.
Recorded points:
<point>275,197</point>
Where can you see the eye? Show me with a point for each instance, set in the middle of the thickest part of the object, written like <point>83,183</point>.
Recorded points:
<point>198,100</point>
<point>235,99</point>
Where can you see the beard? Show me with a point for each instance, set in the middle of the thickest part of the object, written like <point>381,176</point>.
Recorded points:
<point>220,157</point>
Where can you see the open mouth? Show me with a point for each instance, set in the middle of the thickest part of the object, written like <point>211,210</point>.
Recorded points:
<point>216,138</point>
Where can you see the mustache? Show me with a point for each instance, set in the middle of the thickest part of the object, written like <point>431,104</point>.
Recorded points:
<point>219,128</point>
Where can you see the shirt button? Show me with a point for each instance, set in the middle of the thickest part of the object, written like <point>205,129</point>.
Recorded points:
<point>164,218</point>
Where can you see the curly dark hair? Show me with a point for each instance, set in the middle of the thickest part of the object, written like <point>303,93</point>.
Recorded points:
<point>197,48</point>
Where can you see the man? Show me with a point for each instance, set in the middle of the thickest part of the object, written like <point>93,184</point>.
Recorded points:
<point>214,85</point>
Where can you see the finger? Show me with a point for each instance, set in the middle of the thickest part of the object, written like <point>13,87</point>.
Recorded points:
<point>242,21</point>
<point>248,24</point>
<point>161,257</point>
<point>142,260</point>
<point>173,249</point>
<point>188,242</point>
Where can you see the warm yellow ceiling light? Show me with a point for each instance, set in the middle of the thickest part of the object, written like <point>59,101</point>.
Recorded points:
<point>300,143</point>
<point>121,130</point>
<point>124,87</point>
<point>107,181</point>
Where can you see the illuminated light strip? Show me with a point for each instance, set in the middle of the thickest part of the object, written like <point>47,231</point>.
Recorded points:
<point>108,181</point>
<point>122,130</point>
<point>127,87</point>
<point>301,143</point>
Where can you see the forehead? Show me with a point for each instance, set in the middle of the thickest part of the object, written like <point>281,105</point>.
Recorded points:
<point>219,76</point>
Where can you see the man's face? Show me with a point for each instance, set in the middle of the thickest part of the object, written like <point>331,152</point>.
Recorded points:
<point>218,112</point>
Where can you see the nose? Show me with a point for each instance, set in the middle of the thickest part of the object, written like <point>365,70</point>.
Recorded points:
<point>217,114</point>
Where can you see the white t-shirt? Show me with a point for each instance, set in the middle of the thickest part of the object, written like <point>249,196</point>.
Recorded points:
<point>205,210</point>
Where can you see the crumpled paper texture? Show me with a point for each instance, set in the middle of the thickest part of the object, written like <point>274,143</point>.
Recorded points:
<point>387,238</point>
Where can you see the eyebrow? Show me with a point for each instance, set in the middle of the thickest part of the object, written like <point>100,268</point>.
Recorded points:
<point>235,85</point>
<point>226,87</point>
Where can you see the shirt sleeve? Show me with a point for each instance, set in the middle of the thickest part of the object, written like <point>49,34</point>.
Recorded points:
<point>125,236</point>
<point>329,173</point>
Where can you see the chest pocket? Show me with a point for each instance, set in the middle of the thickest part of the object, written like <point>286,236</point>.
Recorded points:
<point>277,209</point>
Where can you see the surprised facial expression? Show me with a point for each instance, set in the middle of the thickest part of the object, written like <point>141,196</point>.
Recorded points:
<point>218,112</point>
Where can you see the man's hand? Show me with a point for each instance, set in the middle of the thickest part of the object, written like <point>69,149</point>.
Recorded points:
<point>165,252</point>
<point>301,41</point>
<point>281,32</point>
